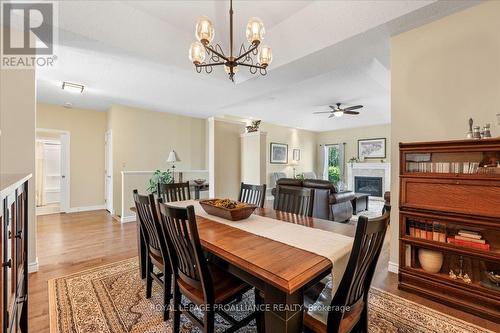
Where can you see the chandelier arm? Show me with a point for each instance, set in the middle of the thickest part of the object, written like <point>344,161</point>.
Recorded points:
<point>254,46</point>
<point>252,66</point>
<point>216,52</point>
<point>210,64</point>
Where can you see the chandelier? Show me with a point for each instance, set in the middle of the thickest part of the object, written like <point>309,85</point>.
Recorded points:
<point>199,50</point>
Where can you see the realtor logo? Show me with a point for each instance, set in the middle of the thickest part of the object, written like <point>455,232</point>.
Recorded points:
<point>27,33</point>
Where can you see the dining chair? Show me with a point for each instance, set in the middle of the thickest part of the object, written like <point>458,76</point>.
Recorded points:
<point>348,310</point>
<point>294,200</point>
<point>253,194</point>
<point>174,192</point>
<point>157,251</point>
<point>203,283</point>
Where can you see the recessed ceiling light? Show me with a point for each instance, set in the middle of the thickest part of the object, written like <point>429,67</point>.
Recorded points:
<point>72,87</point>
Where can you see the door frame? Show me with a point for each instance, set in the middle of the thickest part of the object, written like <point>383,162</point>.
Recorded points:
<point>108,165</point>
<point>65,166</point>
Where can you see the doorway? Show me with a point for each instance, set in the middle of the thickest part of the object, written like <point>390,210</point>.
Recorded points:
<point>108,171</point>
<point>52,171</point>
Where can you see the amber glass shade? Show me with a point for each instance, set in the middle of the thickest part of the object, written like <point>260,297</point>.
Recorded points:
<point>265,55</point>
<point>196,53</point>
<point>255,30</point>
<point>204,30</point>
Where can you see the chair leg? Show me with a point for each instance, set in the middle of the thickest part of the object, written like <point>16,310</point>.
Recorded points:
<point>167,289</point>
<point>149,279</point>
<point>259,320</point>
<point>363,320</point>
<point>177,310</point>
<point>209,320</point>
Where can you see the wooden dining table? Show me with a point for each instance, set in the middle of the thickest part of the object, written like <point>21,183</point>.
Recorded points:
<point>281,272</point>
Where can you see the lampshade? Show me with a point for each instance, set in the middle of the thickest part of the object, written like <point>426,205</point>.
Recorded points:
<point>338,114</point>
<point>204,30</point>
<point>196,53</point>
<point>265,55</point>
<point>227,69</point>
<point>294,162</point>
<point>172,157</point>
<point>255,30</point>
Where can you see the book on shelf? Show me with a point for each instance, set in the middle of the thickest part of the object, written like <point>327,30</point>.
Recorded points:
<point>450,167</point>
<point>468,243</point>
<point>470,234</point>
<point>474,240</point>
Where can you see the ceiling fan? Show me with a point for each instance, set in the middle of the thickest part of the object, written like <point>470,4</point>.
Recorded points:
<point>337,111</point>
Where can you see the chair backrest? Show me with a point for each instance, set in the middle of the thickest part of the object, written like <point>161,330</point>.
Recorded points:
<point>277,176</point>
<point>174,192</point>
<point>356,281</point>
<point>253,194</point>
<point>295,200</point>
<point>148,219</point>
<point>184,248</point>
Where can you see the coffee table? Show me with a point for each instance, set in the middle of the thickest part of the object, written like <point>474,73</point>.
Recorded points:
<point>360,202</point>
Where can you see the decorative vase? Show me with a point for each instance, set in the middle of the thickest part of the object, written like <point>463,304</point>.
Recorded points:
<point>431,261</point>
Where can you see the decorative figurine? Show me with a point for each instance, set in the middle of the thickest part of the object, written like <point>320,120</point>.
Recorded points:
<point>254,127</point>
<point>469,133</point>
<point>461,276</point>
<point>486,131</point>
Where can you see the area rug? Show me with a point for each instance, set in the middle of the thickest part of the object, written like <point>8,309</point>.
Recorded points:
<point>112,299</point>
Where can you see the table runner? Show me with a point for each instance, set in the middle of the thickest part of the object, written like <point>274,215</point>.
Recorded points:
<point>333,246</point>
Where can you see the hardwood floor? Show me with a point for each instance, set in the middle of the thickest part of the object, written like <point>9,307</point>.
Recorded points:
<point>69,243</point>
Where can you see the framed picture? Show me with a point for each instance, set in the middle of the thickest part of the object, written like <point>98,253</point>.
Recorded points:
<point>371,148</point>
<point>296,155</point>
<point>279,153</point>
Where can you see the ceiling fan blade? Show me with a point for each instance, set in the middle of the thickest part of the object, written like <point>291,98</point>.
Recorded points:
<point>330,116</point>
<point>318,112</point>
<point>351,112</point>
<point>332,107</point>
<point>355,107</point>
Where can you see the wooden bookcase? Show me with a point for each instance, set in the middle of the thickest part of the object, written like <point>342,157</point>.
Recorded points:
<point>449,189</point>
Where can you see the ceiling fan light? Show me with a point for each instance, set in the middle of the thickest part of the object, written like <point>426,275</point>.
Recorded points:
<point>197,53</point>
<point>255,30</point>
<point>265,55</point>
<point>338,114</point>
<point>204,30</point>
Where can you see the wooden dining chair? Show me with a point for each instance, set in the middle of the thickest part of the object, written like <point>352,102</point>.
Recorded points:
<point>204,284</point>
<point>157,251</point>
<point>253,194</point>
<point>294,200</point>
<point>174,192</point>
<point>349,307</point>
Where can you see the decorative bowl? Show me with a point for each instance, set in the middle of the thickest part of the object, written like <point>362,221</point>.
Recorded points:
<point>431,261</point>
<point>199,181</point>
<point>234,214</point>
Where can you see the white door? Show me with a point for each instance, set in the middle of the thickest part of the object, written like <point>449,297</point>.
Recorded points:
<point>108,171</point>
<point>65,176</point>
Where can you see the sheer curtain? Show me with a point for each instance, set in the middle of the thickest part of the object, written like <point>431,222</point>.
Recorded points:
<point>323,161</point>
<point>341,151</point>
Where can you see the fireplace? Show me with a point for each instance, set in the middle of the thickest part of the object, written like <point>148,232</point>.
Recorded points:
<point>369,185</point>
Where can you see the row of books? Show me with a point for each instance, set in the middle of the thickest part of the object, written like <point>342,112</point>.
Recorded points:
<point>437,232</point>
<point>469,238</point>
<point>444,167</point>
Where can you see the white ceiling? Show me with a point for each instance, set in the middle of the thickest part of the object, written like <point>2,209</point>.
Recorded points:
<point>135,53</point>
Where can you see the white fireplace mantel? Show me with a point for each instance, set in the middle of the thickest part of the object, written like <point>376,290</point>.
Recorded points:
<point>369,169</point>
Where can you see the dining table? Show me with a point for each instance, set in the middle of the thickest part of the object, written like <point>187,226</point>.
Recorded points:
<point>281,272</point>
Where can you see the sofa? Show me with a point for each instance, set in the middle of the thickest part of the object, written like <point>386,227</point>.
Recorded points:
<point>329,204</point>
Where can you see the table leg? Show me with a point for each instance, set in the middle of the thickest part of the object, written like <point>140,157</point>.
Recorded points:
<point>141,245</point>
<point>283,311</point>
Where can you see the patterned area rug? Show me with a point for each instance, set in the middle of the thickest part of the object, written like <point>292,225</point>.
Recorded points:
<point>112,299</point>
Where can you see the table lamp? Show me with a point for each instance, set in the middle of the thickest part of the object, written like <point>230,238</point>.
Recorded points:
<point>172,158</point>
<point>294,163</point>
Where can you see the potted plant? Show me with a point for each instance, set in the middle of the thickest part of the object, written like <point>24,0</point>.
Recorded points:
<point>159,177</point>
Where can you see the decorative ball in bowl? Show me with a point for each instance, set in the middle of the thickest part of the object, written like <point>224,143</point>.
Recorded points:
<point>227,209</point>
<point>199,181</point>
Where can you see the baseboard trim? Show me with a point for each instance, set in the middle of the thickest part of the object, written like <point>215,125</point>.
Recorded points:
<point>127,219</point>
<point>86,208</point>
<point>33,266</point>
<point>393,267</point>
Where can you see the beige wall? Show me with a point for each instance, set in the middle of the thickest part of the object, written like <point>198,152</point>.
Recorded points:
<point>17,140</point>
<point>442,74</point>
<point>225,151</point>
<point>296,139</point>
<point>351,136</point>
<point>86,128</point>
<point>142,140</point>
